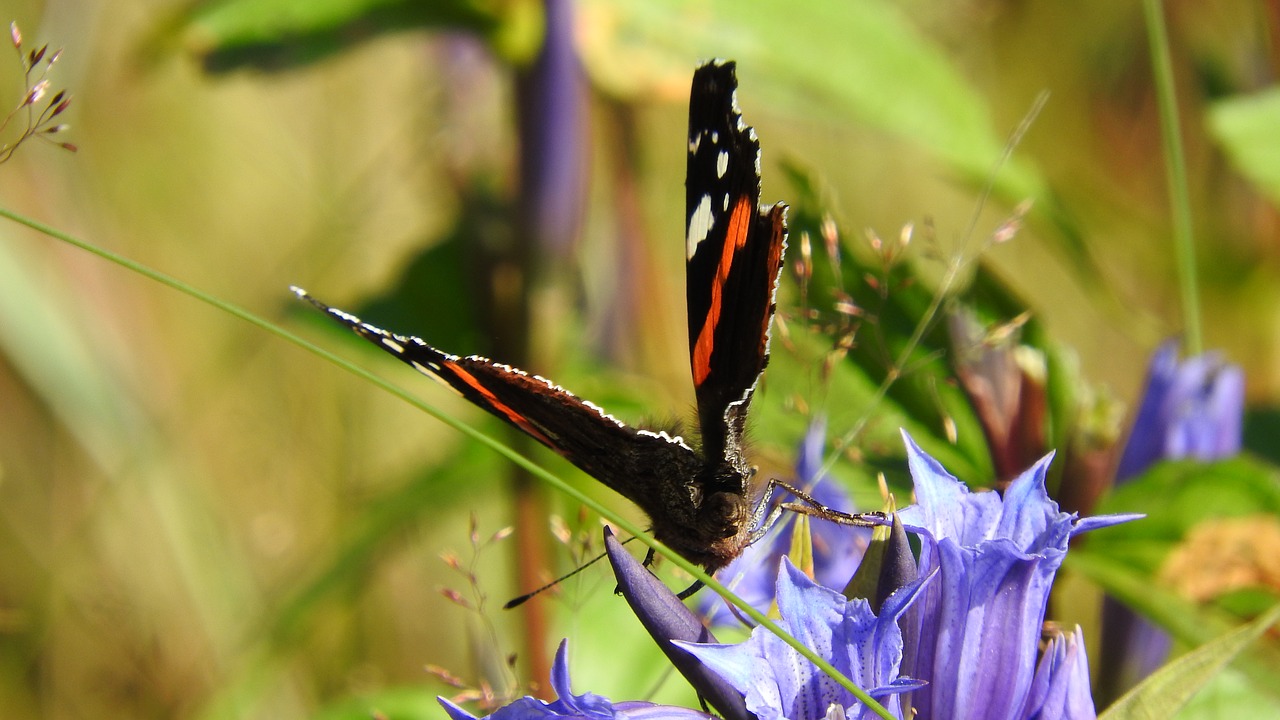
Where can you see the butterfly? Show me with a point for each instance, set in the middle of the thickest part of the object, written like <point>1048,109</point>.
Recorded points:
<point>700,502</point>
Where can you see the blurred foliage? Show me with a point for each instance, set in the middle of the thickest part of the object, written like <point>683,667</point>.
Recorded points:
<point>1202,558</point>
<point>1245,127</point>
<point>200,521</point>
<point>282,34</point>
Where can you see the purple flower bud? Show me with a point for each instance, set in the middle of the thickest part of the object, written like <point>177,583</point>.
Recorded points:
<point>552,100</point>
<point>1061,685</point>
<point>667,619</point>
<point>1190,409</point>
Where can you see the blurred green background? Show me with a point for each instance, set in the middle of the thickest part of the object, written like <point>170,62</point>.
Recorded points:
<point>198,519</point>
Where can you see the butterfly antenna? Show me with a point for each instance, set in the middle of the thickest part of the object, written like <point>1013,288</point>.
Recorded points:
<point>517,602</point>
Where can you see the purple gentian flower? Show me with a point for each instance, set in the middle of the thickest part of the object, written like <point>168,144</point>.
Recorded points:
<point>1189,409</point>
<point>587,706</point>
<point>837,549</point>
<point>980,621</point>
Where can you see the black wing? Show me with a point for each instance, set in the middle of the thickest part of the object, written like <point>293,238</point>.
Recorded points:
<point>733,251</point>
<point>651,469</point>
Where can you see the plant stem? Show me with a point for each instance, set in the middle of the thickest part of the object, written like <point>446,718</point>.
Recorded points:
<point>1176,174</point>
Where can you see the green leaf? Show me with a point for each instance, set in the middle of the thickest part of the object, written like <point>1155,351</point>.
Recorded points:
<point>1163,693</point>
<point>81,384</point>
<point>865,57</point>
<point>382,523</point>
<point>278,34</point>
<point>899,370</point>
<point>342,572</point>
<point>1246,129</point>
<point>1178,496</point>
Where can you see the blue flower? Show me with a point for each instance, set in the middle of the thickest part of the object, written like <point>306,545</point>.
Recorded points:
<point>1190,409</point>
<point>980,621</point>
<point>837,549</point>
<point>587,706</point>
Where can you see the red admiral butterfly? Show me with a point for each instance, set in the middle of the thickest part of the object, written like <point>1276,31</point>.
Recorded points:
<point>701,503</point>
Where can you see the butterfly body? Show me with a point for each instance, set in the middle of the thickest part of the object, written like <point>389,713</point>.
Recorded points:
<point>701,503</point>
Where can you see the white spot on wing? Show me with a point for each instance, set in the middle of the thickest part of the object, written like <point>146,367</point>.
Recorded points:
<point>344,316</point>
<point>700,222</point>
<point>722,163</point>
<point>694,142</point>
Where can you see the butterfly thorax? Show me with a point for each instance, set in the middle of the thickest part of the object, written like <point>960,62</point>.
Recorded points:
<point>716,525</point>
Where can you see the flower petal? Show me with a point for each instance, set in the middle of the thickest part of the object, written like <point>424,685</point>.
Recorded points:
<point>780,683</point>
<point>587,706</point>
<point>944,506</point>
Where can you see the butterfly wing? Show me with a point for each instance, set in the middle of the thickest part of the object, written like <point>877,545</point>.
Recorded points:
<point>649,468</point>
<point>733,251</point>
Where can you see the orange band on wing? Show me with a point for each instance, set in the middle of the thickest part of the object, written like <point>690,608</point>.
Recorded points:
<point>736,238</point>
<point>496,405</point>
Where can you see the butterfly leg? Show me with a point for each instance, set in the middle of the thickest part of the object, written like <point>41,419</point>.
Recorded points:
<point>811,507</point>
<point>683,594</point>
<point>689,591</point>
<point>649,557</point>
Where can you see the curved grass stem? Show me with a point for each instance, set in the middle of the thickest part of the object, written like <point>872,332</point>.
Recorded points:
<point>1175,174</point>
